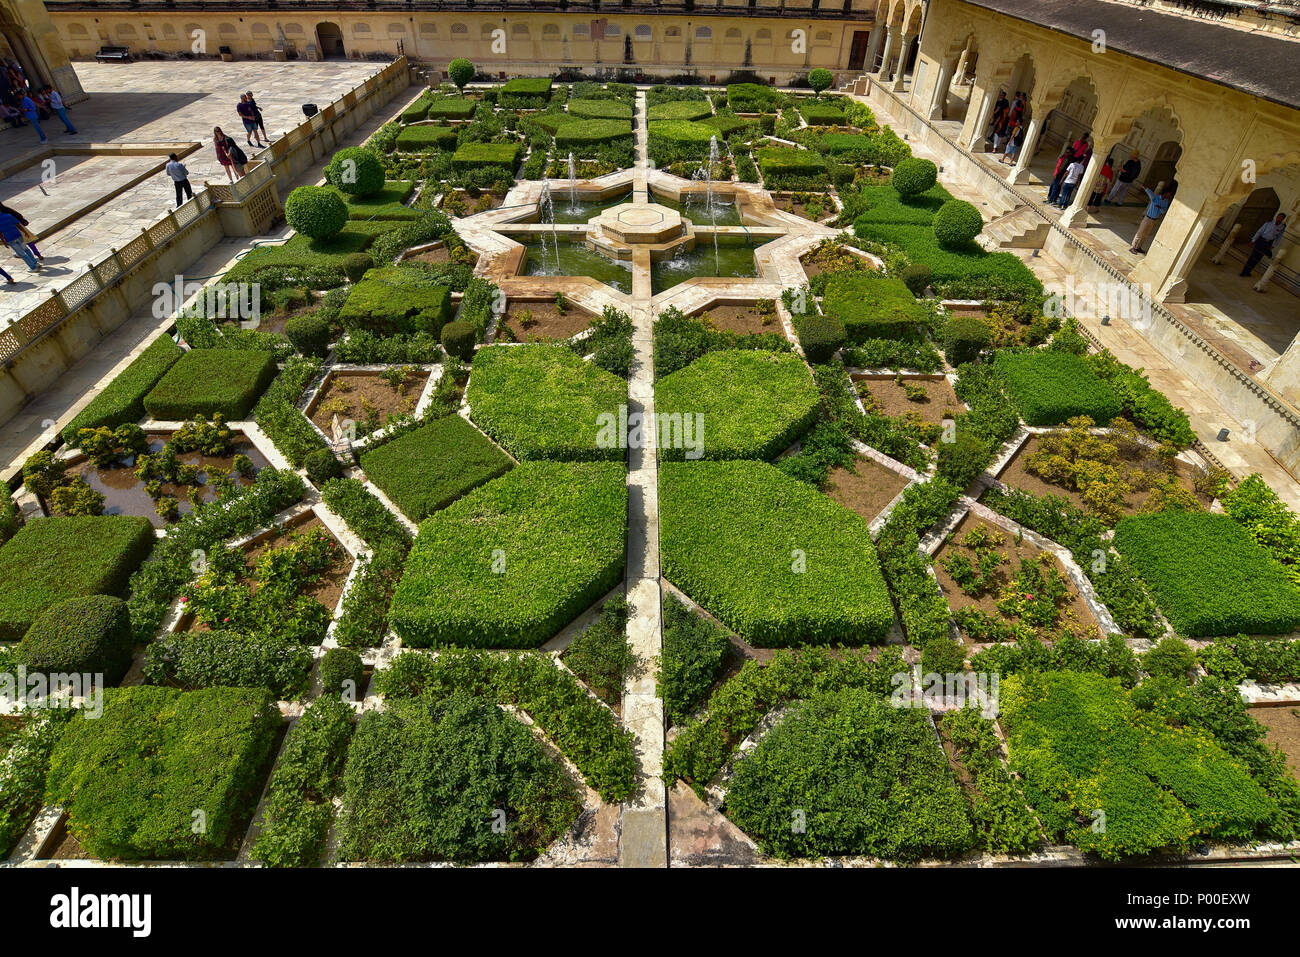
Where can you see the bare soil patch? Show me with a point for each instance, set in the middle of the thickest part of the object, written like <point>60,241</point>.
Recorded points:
<point>540,322</point>
<point>939,403</point>
<point>1283,724</point>
<point>865,490</point>
<point>745,319</point>
<point>367,399</point>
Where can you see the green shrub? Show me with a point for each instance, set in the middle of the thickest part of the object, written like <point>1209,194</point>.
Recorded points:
<point>913,176</point>
<point>356,171</point>
<point>321,466</point>
<point>820,336</point>
<point>681,339</point>
<point>503,156</point>
<point>752,98</point>
<point>964,338</point>
<point>694,650</point>
<point>600,109</point>
<point>810,573</point>
<point>1172,657</point>
<point>122,400</point>
<point>601,656</point>
<point>738,403</point>
<point>964,458</point>
<point>452,765</point>
<point>874,307</point>
<point>23,770</point>
<point>916,278</point>
<point>459,339</point>
<point>429,468</point>
<point>209,659</point>
<point>820,79</point>
<point>543,401</point>
<point>309,334</point>
<point>419,109</point>
<point>786,167</point>
<point>1207,574</point>
<point>277,413</point>
<point>671,140</point>
<point>821,114</point>
<point>315,211</point>
<point>676,110</point>
<point>341,665</point>
<point>1258,509</point>
<point>514,561</point>
<point>1003,823</point>
<point>957,223</point>
<point>364,513</point>
<point>461,71</point>
<point>53,559</point>
<point>1049,387</point>
<point>402,298</point>
<point>538,88</point>
<point>452,108</point>
<point>223,382</point>
<point>88,635</point>
<point>308,775</point>
<point>416,139</point>
<point>575,134</point>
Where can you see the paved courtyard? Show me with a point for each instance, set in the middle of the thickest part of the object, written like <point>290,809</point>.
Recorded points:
<point>126,106</point>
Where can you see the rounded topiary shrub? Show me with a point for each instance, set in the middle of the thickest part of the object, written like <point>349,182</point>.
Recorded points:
<point>458,340</point>
<point>916,278</point>
<point>914,176</point>
<point>356,265</point>
<point>356,171</point>
<point>340,665</point>
<point>957,223</point>
<point>821,337</point>
<point>460,71</point>
<point>91,634</point>
<point>316,211</point>
<point>321,466</point>
<point>963,340</point>
<point>310,335</point>
<point>820,79</point>
<point>962,459</point>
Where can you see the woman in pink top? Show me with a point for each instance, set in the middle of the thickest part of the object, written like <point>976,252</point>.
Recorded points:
<point>229,155</point>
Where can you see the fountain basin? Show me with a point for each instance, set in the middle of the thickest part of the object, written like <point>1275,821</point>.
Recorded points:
<point>641,224</point>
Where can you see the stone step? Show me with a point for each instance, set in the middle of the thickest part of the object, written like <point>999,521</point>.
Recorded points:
<point>1021,228</point>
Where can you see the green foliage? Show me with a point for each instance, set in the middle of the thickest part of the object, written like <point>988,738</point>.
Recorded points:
<point>694,651</point>
<point>604,110</point>
<point>1269,660</point>
<point>753,98</point>
<point>1208,575</point>
<point>821,114</point>
<point>402,299</point>
<point>957,223</point>
<point>787,167</point>
<point>277,412</point>
<point>819,79</point>
<point>543,401</point>
<point>963,273</point>
<point>913,176</point>
<point>415,139</point>
<point>364,513</point>
<point>307,777</point>
<point>512,562</point>
<point>459,339</point>
<point>452,108</point>
<point>583,135</point>
<point>671,140</point>
<point>315,211</point>
<point>86,635</point>
<point>964,458</point>
<point>309,334</point>
<point>338,667</point>
<point>1003,825</point>
<point>820,336</point>
<point>1051,386</point>
<point>896,437</point>
<point>356,171</point>
<point>964,338</point>
<point>452,765</point>
<point>1146,406</point>
<point>681,339</point>
<point>429,468</point>
<point>53,559</point>
<point>1256,508</point>
<point>601,656</point>
<point>1173,658</point>
<point>223,382</point>
<point>504,156</point>
<point>461,71</point>
<point>874,307</point>
<point>676,110</point>
<point>896,354</point>
<point>23,770</point>
<point>809,575</point>
<point>132,778</point>
<point>609,342</point>
<point>750,404</point>
<point>208,659</point>
<point>824,448</point>
<point>122,400</point>
<point>321,466</point>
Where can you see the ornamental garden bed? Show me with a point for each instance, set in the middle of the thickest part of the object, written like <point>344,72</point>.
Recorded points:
<point>866,489</point>
<point>459,202</point>
<point>742,318</point>
<point>1282,724</point>
<point>816,207</point>
<point>828,256</point>
<point>1050,386</point>
<point>541,320</point>
<point>369,400</point>
<point>787,167</point>
<point>930,397</point>
<point>1000,589</point>
<point>225,382</point>
<point>126,493</point>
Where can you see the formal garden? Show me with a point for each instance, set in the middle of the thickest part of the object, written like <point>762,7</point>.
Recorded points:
<point>935,577</point>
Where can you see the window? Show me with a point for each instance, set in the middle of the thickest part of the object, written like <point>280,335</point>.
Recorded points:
<point>519,30</point>
<point>485,31</point>
<point>550,32</point>
<point>763,36</point>
<point>360,28</point>
<point>459,30</point>
<point>396,29</point>
<point>227,30</point>
<point>169,30</point>
<point>581,32</point>
<point>613,31</point>
<point>125,30</point>
<point>293,29</point>
<point>643,32</point>
<point>77,30</point>
<point>733,35</point>
<point>428,29</point>
<point>673,32</point>
<point>704,33</point>
<point>261,30</point>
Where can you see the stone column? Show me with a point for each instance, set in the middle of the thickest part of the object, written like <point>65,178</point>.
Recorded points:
<point>1279,251</point>
<point>1077,214</point>
<point>883,72</point>
<point>900,73</point>
<point>939,99</point>
<point>1226,245</point>
<point>1175,287</point>
<point>1020,172</point>
<point>975,137</point>
<point>873,48</point>
<point>1283,376</point>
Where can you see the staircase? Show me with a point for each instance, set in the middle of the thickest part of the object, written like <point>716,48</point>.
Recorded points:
<point>852,86</point>
<point>1021,228</point>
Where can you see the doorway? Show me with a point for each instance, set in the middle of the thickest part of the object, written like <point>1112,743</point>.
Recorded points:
<point>858,52</point>
<point>329,38</point>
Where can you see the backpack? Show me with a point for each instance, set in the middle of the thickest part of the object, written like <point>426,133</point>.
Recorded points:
<point>236,154</point>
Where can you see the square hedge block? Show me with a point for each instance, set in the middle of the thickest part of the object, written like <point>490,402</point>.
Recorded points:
<point>225,382</point>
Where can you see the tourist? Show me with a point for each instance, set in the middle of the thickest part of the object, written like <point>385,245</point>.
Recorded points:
<point>1000,110</point>
<point>1265,240</point>
<point>28,106</point>
<point>57,105</point>
<point>1104,179</point>
<point>180,178</point>
<point>28,236</point>
<point>257,111</point>
<point>8,278</point>
<point>1017,110</point>
<point>1017,141</point>
<point>229,155</point>
<point>1128,173</point>
<point>1073,173</point>
<point>1157,206</point>
<point>1082,149</point>
<point>13,236</point>
<point>1058,175</point>
<point>249,116</point>
<point>11,114</point>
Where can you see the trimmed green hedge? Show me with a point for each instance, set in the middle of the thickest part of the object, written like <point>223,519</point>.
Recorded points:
<point>790,166</point>
<point>415,139</point>
<point>133,778</point>
<point>225,382</point>
<point>53,559</point>
<point>486,155</point>
<point>1050,386</point>
<point>744,403</point>
<point>579,134</point>
<point>315,263</point>
<point>418,109</point>
<point>516,560</point>
<point>387,203</point>
<point>966,273</point>
<point>821,114</point>
<point>452,108</point>
<point>429,468</point>
<point>679,139</point>
<point>752,98</point>
<point>86,635</point>
<point>397,299</point>
<point>545,402</point>
<point>694,650</point>
<point>601,109</point>
<point>874,307</point>
<point>676,110</point>
<point>770,556</point>
<point>122,400</point>
<point>528,86</point>
<point>884,148</point>
<point>1208,575</point>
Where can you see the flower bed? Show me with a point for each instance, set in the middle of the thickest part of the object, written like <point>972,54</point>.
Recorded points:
<point>514,561</point>
<point>770,556</point>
